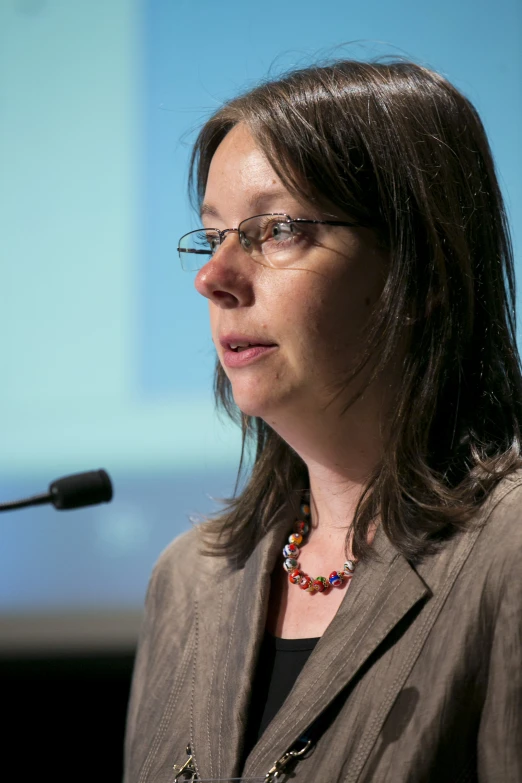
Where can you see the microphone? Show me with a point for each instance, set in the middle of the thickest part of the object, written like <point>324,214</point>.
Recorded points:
<point>75,491</point>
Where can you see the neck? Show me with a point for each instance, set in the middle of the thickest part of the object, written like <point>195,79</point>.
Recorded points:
<point>341,453</point>
<point>333,498</point>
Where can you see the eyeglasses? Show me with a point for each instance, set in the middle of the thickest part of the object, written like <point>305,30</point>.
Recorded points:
<point>275,237</point>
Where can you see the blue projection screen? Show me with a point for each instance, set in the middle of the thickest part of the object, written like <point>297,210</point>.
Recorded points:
<point>106,356</point>
<point>82,385</point>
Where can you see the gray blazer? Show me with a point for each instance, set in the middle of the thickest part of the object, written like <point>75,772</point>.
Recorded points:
<point>421,668</point>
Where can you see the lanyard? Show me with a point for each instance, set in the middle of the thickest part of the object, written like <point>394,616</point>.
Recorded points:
<point>187,772</point>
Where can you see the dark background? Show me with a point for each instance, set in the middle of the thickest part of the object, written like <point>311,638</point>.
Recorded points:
<point>64,716</point>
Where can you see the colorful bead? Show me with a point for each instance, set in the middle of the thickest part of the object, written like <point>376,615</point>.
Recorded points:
<point>291,550</point>
<point>305,582</point>
<point>291,554</point>
<point>302,527</point>
<point>320,583</point>
<point>349,568</point>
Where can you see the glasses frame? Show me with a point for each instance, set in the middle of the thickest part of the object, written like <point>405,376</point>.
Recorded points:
<point>223,233</point>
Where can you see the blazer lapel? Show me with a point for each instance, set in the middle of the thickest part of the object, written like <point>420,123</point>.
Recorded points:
<point>382,593</point>
<point>230,616</point>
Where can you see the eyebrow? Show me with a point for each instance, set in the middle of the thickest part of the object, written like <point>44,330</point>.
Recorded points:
<point>257,200</point>
<point>207,209</point>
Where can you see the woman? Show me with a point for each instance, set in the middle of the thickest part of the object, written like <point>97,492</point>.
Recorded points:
<point>357,262</point>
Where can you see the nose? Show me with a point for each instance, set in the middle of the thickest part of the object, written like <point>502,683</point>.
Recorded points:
<point>226,278</point>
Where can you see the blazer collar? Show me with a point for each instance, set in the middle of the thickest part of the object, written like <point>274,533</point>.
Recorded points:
<point>231,616</point>
<point>385,589</point>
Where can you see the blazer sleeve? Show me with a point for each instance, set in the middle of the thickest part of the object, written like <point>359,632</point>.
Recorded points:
<point>500,732</point>
<point>139,676</point>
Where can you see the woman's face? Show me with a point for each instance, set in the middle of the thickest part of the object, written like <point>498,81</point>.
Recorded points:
<point>312,313</point>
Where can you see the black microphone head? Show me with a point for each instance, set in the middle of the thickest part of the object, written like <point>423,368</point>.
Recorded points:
<point>81,489</point>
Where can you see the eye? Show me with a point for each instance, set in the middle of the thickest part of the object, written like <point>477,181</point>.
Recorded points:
<point>212,241</point>
<point>281,231</point>
<point>268,234</point>
<point>246,243</point>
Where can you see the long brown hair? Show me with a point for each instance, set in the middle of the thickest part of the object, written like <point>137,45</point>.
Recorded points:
<point>396,147</point>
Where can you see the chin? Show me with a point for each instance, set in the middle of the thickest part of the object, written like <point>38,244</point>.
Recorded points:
<point>252,400</point>
<point>251,406</point>
<point>266,392</point>
<point>263,403</point>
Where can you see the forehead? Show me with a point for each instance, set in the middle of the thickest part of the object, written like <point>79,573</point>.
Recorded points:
<point>241,179</point>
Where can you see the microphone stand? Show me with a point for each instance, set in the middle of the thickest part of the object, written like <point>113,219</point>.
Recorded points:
<point>74,491</point>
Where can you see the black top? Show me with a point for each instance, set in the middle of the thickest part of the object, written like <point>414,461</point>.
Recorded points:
<point>279,664</point>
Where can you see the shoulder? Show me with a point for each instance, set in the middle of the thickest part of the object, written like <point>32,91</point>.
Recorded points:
<point>179,568</point>
<point>182,552</point>
<point>497,553</point>
<point>488,551</point>
<point>501,517</point>
<point>178,561</point>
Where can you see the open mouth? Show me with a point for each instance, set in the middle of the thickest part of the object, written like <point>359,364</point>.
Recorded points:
<point>251,352</point>
<point>238,347</point>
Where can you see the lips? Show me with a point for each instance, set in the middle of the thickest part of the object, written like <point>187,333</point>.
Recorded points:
<point>240,349</point>
<point>240,342</point>
<point>243,346</point>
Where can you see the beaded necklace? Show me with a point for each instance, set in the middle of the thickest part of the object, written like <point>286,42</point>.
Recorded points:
<point>291,565</point>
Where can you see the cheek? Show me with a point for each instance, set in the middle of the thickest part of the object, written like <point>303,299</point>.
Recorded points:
<point>352,299</point>
<point>212,311</point>
<point>338,315</point>
<point>334,322</point>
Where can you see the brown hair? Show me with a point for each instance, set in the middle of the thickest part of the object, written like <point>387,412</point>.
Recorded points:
<point>396,147</point>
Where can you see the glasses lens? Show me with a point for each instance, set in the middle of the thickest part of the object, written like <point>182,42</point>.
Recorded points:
<point>273,237</point>
<point>196,248</point>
